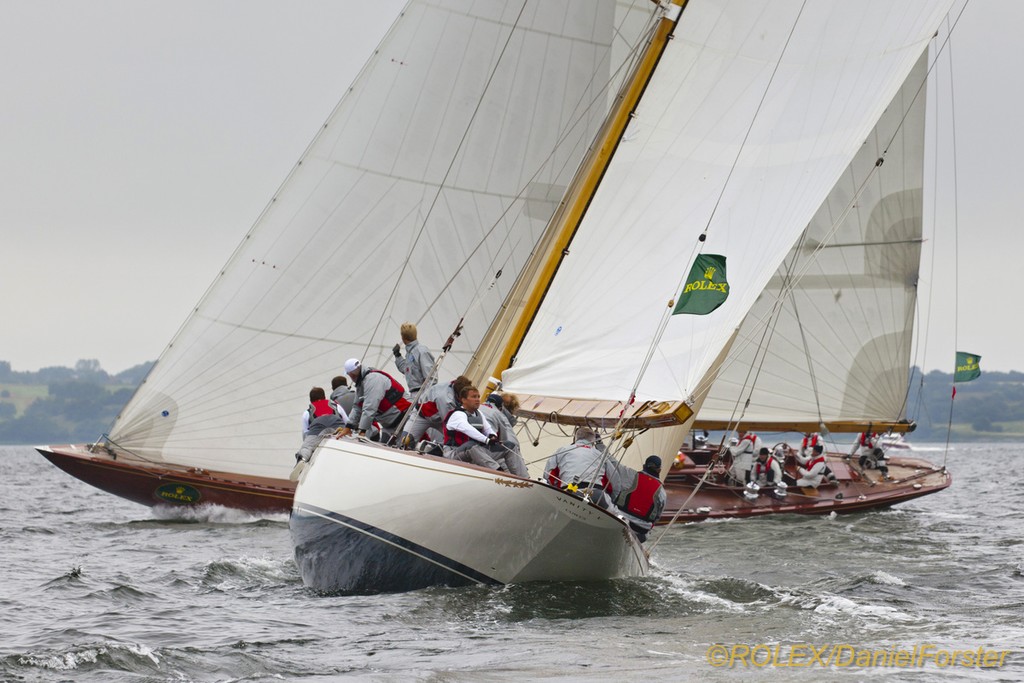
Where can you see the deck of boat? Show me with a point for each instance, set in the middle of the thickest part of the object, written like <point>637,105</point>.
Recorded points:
<point>855,490</point>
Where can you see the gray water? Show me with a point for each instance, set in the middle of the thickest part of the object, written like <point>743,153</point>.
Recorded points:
<point>95,588</point>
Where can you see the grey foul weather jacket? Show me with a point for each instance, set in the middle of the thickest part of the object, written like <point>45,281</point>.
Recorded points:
<point>345,397</point>
<point>416,365</point>
<point>370,390</point>
<point>502,422</point>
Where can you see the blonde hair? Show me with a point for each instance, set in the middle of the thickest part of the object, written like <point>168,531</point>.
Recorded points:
<point>511,402</point>
<point>408,332</point>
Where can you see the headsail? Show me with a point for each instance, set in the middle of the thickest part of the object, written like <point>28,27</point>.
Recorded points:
<point>747,124</point>
<point>830,336</point>
<point>438,169</point>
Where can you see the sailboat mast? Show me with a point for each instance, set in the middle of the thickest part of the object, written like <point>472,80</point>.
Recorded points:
<point>506,335</point>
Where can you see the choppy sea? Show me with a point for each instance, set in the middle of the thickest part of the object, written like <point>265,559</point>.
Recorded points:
<point>95,588</point>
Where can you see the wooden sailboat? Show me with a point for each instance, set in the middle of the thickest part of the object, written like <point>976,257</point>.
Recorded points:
<point>726,139</point>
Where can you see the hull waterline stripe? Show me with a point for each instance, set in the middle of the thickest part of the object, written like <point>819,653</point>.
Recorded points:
<point>398,542</point>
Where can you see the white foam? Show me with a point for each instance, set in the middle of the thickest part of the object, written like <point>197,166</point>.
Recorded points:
<point>215,514</point>
<point>69,661</point>
<point>887,579</point>
<point>246,571</point>
<point>686,588</point>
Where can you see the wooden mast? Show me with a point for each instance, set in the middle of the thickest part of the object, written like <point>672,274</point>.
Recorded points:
<point>537,276</point>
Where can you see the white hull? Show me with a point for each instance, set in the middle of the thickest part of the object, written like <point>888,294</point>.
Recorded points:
<point>368,518</point>
<point>895,441</point>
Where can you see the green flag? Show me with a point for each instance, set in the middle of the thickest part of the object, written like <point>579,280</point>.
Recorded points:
<point>967,367</point>
<point>706,288</point>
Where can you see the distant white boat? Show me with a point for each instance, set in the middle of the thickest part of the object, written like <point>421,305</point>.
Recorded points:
<point>894,441</point>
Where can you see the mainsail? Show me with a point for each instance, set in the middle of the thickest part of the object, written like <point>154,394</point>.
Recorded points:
<point>829,339</point>
<point>746,126</point>
<point>435,173</point>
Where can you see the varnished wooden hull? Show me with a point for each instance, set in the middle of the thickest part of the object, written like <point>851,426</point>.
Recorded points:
<point>170,485</point>
<point>854,491</point>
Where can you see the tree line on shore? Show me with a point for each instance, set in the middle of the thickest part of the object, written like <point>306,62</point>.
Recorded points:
<point>61,404</point>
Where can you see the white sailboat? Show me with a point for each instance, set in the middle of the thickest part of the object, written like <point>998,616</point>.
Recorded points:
<point>741,120</point>
<point>418,200</point>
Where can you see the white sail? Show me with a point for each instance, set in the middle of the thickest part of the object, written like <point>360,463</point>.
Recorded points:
<point>438,169</point>
<point>748,122</point>
<point>836,346</point>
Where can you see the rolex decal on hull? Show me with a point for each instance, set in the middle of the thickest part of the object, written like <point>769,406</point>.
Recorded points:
<point>178,494</point>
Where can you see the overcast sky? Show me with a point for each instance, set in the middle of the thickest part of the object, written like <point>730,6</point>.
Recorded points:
<point>140,140</point>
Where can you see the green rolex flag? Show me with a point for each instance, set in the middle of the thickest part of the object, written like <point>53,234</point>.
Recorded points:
<point>706,288</point>
<point>968,367</point>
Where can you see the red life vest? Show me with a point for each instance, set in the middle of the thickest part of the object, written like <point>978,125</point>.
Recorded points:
<point>640,501</point>
<point>322,407</point>
<point>429,409</point>
<point>553,478</point>
<point>395,396</point>
<point>868,440</point>
<point>752,438</point>
<point>812,442</point>
<point>815,461</point>
<point>766,466</point>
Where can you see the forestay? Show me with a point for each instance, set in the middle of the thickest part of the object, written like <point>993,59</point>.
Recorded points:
<point>750,119</point>
<point>439,168</point>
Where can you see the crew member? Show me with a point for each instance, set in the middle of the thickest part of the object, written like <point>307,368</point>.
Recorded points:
<point>743,456</point>
<point>643,499</point>
<point>321,417</point>
<point>766,470</point>
<point>435,404</point>
<point>418,363</point>
<point>379,398</point>
<point>806,450</point>
<point>578,467</point>
<point>816,470</point>
<point>343,395</point>
<point>469,437</point>
<point>321,414</point>
<point>865,443</point>
<point>875,460</point>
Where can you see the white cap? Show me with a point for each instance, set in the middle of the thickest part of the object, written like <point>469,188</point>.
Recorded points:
<point>351,365</point>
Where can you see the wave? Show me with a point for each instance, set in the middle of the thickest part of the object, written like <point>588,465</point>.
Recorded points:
<point>216,514</point>
<point>249,574</point>
<point>133,657</point>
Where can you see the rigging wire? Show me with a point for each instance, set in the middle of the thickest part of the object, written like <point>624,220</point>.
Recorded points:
<point>666,315</point>
<point>956,242</point>
<point>239,358</point>
<point>704,385</point>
